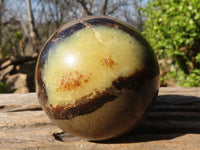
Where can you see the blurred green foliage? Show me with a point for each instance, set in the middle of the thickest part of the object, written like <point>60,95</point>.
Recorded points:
<point>173,29</point>
<point>5,88</point>
<point>18,35</point>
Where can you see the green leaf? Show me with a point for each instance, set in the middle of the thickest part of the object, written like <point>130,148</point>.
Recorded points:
<point>172,28</point>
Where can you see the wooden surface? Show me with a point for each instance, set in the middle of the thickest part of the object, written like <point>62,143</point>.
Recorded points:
<point>172,124</point>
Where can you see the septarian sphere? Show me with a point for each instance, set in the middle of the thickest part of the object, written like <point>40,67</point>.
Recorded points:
<point>96,78</point>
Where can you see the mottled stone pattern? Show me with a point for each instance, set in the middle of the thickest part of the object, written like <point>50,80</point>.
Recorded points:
<point>70,82</point>
<point>97,77</point>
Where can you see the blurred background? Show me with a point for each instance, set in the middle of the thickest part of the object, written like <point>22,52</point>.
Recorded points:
<point>171,26</point>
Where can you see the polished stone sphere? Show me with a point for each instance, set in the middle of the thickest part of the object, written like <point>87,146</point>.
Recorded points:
<point>97,77</point>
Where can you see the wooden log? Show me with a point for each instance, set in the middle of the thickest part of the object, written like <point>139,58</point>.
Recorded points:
<point>17,60</point>
<point>173,123</point>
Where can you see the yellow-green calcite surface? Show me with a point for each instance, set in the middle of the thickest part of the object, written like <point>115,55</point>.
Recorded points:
<point>90,59</point>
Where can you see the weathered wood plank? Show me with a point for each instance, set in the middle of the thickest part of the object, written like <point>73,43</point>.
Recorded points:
<point>173,123</point>
<point>180,91</point>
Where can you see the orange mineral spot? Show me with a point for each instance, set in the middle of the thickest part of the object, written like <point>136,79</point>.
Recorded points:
<point>108,62</point>
<point>72,80</point>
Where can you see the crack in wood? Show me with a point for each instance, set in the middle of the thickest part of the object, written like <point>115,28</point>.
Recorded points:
<point>57,136</point>
<point>26,109</point>
<point>1,107</point>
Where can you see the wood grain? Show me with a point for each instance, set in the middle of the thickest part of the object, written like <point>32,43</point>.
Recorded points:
<point>172,124</point>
